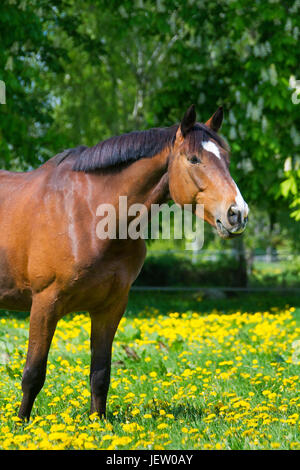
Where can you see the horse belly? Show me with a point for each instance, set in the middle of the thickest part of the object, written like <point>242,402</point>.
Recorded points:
<point>12,296</point>
<point>108,279</point>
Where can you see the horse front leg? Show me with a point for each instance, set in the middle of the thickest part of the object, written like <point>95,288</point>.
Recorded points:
<point>103,328</point>
<point>43,322</point>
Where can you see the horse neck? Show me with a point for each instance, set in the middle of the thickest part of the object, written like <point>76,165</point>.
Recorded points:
<point>146,181</point>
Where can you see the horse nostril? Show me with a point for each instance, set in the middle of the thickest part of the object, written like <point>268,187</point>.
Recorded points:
<point>234,215</point>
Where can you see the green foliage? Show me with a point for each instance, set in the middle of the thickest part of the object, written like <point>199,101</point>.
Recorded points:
<point>290,189</point>
<point>172,270</point>
<point>31,56</point>
<point>281,274</point>
<point>178,270</point>
<point>25,51</point>
<point>77,72</point>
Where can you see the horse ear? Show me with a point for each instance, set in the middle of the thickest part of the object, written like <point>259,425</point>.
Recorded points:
<point>188,120</point>
<point>215,122</point>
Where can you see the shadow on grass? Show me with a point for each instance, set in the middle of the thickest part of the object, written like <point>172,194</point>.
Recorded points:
<point>186,412</point>
<point>165,302</point>
<point>146,303</point>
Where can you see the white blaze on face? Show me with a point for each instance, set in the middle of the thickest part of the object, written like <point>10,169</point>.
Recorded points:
<point>240,203</point>
<point>211,147</point>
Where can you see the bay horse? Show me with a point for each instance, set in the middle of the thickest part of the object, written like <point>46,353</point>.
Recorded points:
<point>52,262</point>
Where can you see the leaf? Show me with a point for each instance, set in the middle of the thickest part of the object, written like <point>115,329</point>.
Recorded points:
<point>285,187</point>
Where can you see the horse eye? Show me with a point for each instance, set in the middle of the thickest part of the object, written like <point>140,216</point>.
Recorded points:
<point>194,159</point>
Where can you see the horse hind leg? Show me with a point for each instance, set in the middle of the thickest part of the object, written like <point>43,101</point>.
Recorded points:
<point>43,321</point>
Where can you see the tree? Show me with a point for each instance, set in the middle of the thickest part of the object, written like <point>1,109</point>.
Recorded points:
<point>80,71</point>
<point>29,56</point>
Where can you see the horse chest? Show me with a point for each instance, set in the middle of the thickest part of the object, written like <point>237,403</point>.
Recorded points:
<point>124,260</point>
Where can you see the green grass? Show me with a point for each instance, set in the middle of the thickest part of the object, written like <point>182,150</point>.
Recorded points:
<point>177,301</point>
<point>181,302</point>
<point>214,373</point>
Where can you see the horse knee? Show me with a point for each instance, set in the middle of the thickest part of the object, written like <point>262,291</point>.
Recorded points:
<point>33,379</point>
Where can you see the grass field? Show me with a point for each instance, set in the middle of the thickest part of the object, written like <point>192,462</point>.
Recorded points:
<point>187,373</point>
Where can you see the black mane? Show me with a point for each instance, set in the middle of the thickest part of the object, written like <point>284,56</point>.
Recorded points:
<point>127,148</point>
